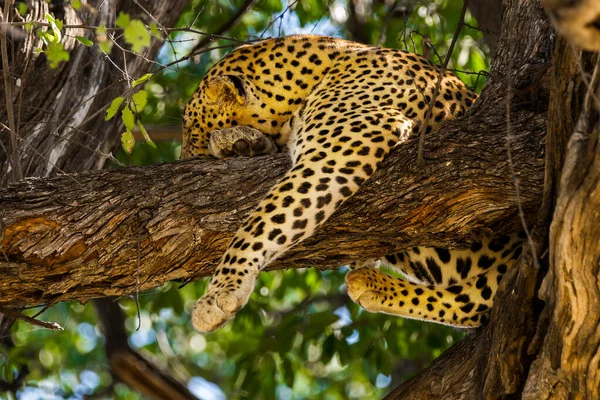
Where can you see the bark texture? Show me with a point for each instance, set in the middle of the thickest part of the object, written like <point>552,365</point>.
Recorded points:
<point>76,237</point>
<point>59,121</point>
<point>59,112</point>
<point>542,342</point>
<point>567,365</point>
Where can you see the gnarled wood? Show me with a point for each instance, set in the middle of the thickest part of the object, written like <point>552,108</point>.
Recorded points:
<point>76,237</point>
<point>60,112</point>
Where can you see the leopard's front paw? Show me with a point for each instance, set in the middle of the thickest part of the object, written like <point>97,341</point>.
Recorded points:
<point>240,141</point>
<point>208,316</point>
<point>213,310</point>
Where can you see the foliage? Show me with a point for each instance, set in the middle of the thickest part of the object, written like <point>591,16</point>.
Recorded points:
<point>300,337</point>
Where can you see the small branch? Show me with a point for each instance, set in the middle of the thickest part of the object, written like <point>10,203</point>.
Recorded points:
<point>461,21</point>
<point>247,6</point>
<point>36,322</point>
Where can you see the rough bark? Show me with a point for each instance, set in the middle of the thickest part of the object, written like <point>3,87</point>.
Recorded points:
<point>488,14</point>
<point>542,343</point>
<point>60,112</point>
<point>567,363</point>
<point>76,237</point>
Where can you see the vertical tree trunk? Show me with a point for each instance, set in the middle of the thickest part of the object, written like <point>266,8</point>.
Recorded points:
<point>59,113</point>
<point>542,341</point>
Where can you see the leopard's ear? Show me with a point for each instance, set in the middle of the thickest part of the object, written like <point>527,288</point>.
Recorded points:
<point>225,88</point>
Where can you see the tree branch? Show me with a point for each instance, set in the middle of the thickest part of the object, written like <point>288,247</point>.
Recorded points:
<point>75,237</point>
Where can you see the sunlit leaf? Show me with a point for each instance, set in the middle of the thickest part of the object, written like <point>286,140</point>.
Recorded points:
<point>122,20</point>
<point>127,141</point>
<point>56,53</point>
<point>141,79</point>
<point>128,118</point>
<point>136,35</point>
<point>144,133</point>
<point>113,108</point>
<point>22,8</point>
<point>140,99</point>
<point>84,40</point>
<point>154,31</point>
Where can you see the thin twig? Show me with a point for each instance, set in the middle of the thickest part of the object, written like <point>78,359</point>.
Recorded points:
<point>17,315</point>
<point>280,16</point>
<point>461,21</point>
<point>388,18</point>
<point>137,284</point>
<point>247,6</point>
<point>15,162</point>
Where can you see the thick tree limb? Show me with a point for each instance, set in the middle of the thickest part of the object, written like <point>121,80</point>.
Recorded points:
<point>75,237</point>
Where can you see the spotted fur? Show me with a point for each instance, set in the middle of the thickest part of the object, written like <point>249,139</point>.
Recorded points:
<point>339,108</point>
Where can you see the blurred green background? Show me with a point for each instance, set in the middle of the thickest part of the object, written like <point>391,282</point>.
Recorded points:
<point>300,337</point>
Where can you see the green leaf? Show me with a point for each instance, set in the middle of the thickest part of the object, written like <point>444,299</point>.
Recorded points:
<point>50,18</point>
<point>328,349</point>
<point>141,79</point>
<point>136,35</point>
<point>76,4</point>
<point>140,99</point>
<point>288,372</point>
<point>113,108</point>
<point>144,132</point>
<point>122,20</point>
<point>127,141</point>
<point>106,46</point>
<point>128,118</point>
<point>22,8</point>
<point>59,24</point>
<point>84,41</point>
<point>55,54</point>
<point>154,31</point>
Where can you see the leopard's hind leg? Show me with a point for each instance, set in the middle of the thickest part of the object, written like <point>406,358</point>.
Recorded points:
<point>453,287</point>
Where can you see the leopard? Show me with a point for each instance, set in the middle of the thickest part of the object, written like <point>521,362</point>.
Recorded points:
<point>338,108</point>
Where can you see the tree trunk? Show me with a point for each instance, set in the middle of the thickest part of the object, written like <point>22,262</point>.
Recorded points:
<point>543,342</point>
<point>57,121</point>
<point>59,113</point>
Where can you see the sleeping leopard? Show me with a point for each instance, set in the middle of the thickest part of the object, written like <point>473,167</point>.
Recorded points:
<point>338,108</point>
